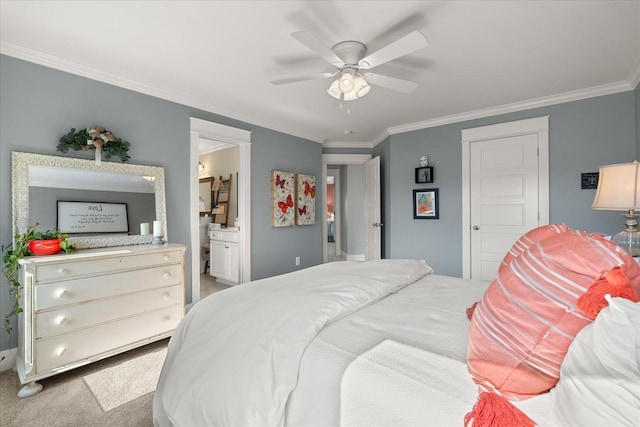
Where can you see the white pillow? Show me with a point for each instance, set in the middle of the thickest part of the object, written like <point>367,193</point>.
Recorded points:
<point>600,376</point>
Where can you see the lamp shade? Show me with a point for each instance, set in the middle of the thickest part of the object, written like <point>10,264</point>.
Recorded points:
<point>618,187</point>
<point>361,87</point>
<point>346,81</point>
<point>334,90</point>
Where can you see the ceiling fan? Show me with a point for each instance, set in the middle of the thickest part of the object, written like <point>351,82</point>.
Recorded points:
<point>349,58</point>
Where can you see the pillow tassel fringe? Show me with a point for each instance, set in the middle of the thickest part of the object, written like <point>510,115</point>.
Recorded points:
<point>492,410</point>
<point>614,283</point>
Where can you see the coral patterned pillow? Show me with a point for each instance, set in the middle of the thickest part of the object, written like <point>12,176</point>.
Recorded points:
<point>531,238</point>
<point>527,318</point>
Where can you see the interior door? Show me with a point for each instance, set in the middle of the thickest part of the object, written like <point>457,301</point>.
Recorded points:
<point>372,210</point>
<point>504,198</point>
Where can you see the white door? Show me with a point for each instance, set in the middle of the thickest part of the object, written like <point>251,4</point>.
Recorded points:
<point>504,198</point>
<point>372,209</point>
<point>218,259</point>
<point>505,190</point>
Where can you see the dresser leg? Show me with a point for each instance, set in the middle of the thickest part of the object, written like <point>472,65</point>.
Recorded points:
<point>30,389</point>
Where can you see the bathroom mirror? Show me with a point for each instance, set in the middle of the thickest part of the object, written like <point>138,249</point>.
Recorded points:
<point>206,196</point>
<point>40,181</point>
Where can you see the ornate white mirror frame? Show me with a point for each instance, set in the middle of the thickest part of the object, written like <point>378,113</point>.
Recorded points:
<point>20,163</point>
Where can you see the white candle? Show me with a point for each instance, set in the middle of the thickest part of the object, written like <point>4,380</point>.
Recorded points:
<point>157,228</point>
<point>144,228</point>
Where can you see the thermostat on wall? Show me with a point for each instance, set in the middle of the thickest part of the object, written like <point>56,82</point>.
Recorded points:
<point>590,180</point>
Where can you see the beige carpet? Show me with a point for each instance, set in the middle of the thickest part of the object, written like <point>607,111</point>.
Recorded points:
<point>67,401</point>
<point>127,381</point>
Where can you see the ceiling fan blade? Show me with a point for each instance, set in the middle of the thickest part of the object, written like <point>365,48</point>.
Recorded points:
<point>313,43</point>
<point>303,78</point>
<point>394,83</point>
<point>403,46</point>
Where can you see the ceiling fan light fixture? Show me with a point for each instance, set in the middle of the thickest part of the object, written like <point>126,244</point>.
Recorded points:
<point>334,90</point>
<point>349,96</point>
<point>360,86</point>
<point>346,82</point>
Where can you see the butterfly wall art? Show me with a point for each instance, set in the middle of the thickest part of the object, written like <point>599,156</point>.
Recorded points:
<point>305,199</point>
<point>283,211</point>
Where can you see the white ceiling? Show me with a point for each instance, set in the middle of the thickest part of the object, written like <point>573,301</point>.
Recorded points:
<point>483,57</point>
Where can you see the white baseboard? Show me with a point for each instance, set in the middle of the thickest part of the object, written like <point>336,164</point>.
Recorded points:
<point>7,359</point>
<point>359,257</point>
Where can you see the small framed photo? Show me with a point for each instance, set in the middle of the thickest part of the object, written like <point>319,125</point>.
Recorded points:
<point>424,175</point>
<point>425,204</point>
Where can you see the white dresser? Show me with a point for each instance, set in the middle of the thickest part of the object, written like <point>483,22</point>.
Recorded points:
<point>225,255</point>
<point>95,303</point>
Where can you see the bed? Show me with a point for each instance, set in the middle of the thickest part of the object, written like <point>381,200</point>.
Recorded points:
<point>350,343</point>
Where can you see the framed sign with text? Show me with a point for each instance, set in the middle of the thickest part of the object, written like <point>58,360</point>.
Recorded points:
<point>92,217</point>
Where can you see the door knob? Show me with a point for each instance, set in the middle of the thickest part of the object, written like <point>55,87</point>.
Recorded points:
<point>475,227</point>
<point>377,224</point>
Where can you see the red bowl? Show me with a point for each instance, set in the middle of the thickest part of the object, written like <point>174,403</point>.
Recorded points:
<point>45,247</point>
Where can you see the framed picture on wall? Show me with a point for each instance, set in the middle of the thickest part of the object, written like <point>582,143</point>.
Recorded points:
<point>305,199</point>
<point>283,212</point>
<point>92,217</point>
<point>424,175</point>
<point>425,204</point>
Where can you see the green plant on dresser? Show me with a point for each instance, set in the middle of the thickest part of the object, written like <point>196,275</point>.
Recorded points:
<point>21,247</point>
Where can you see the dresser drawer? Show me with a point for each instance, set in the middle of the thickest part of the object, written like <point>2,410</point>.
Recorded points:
<point>74,317</point>
<point>53,295</point>
<point>62,350</point>
<point>89,267</point>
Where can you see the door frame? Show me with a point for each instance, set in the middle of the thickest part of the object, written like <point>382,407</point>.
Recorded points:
<point>335,159</point>
<point>536,125</point>
<point>242,139</point>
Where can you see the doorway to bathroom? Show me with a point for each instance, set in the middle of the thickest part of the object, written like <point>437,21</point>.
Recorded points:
<point>204,132</point>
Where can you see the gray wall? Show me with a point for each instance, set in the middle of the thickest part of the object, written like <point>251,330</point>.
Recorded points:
<point>583,136</point>
<point>39,104</point>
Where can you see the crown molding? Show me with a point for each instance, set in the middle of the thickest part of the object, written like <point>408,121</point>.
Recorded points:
<point>577,95</point>
<point>57,63</point>
<point>347,144</point>
<point>60,64</point>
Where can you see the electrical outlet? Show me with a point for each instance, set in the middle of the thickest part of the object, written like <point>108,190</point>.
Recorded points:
<point>297,260</point>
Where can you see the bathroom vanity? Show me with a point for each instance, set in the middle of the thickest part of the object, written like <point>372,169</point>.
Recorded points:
<point>225,255</point>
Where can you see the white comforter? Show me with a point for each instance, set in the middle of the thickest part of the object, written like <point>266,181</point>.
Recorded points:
<point>234,359</point>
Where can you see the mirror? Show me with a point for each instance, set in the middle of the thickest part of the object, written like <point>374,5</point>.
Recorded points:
<point>40,181</point>
<point>206,196</point>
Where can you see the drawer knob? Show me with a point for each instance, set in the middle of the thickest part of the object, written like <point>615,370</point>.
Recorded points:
<point>62,293</point>
<point>167,275</point>
<point>167,257</point>
<point>62,270</point>
<point>61,351</point>
<point>166,297</point>
<point>62,320</point>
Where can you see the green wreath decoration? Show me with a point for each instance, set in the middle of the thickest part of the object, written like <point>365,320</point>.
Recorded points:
<point>91,139</point>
